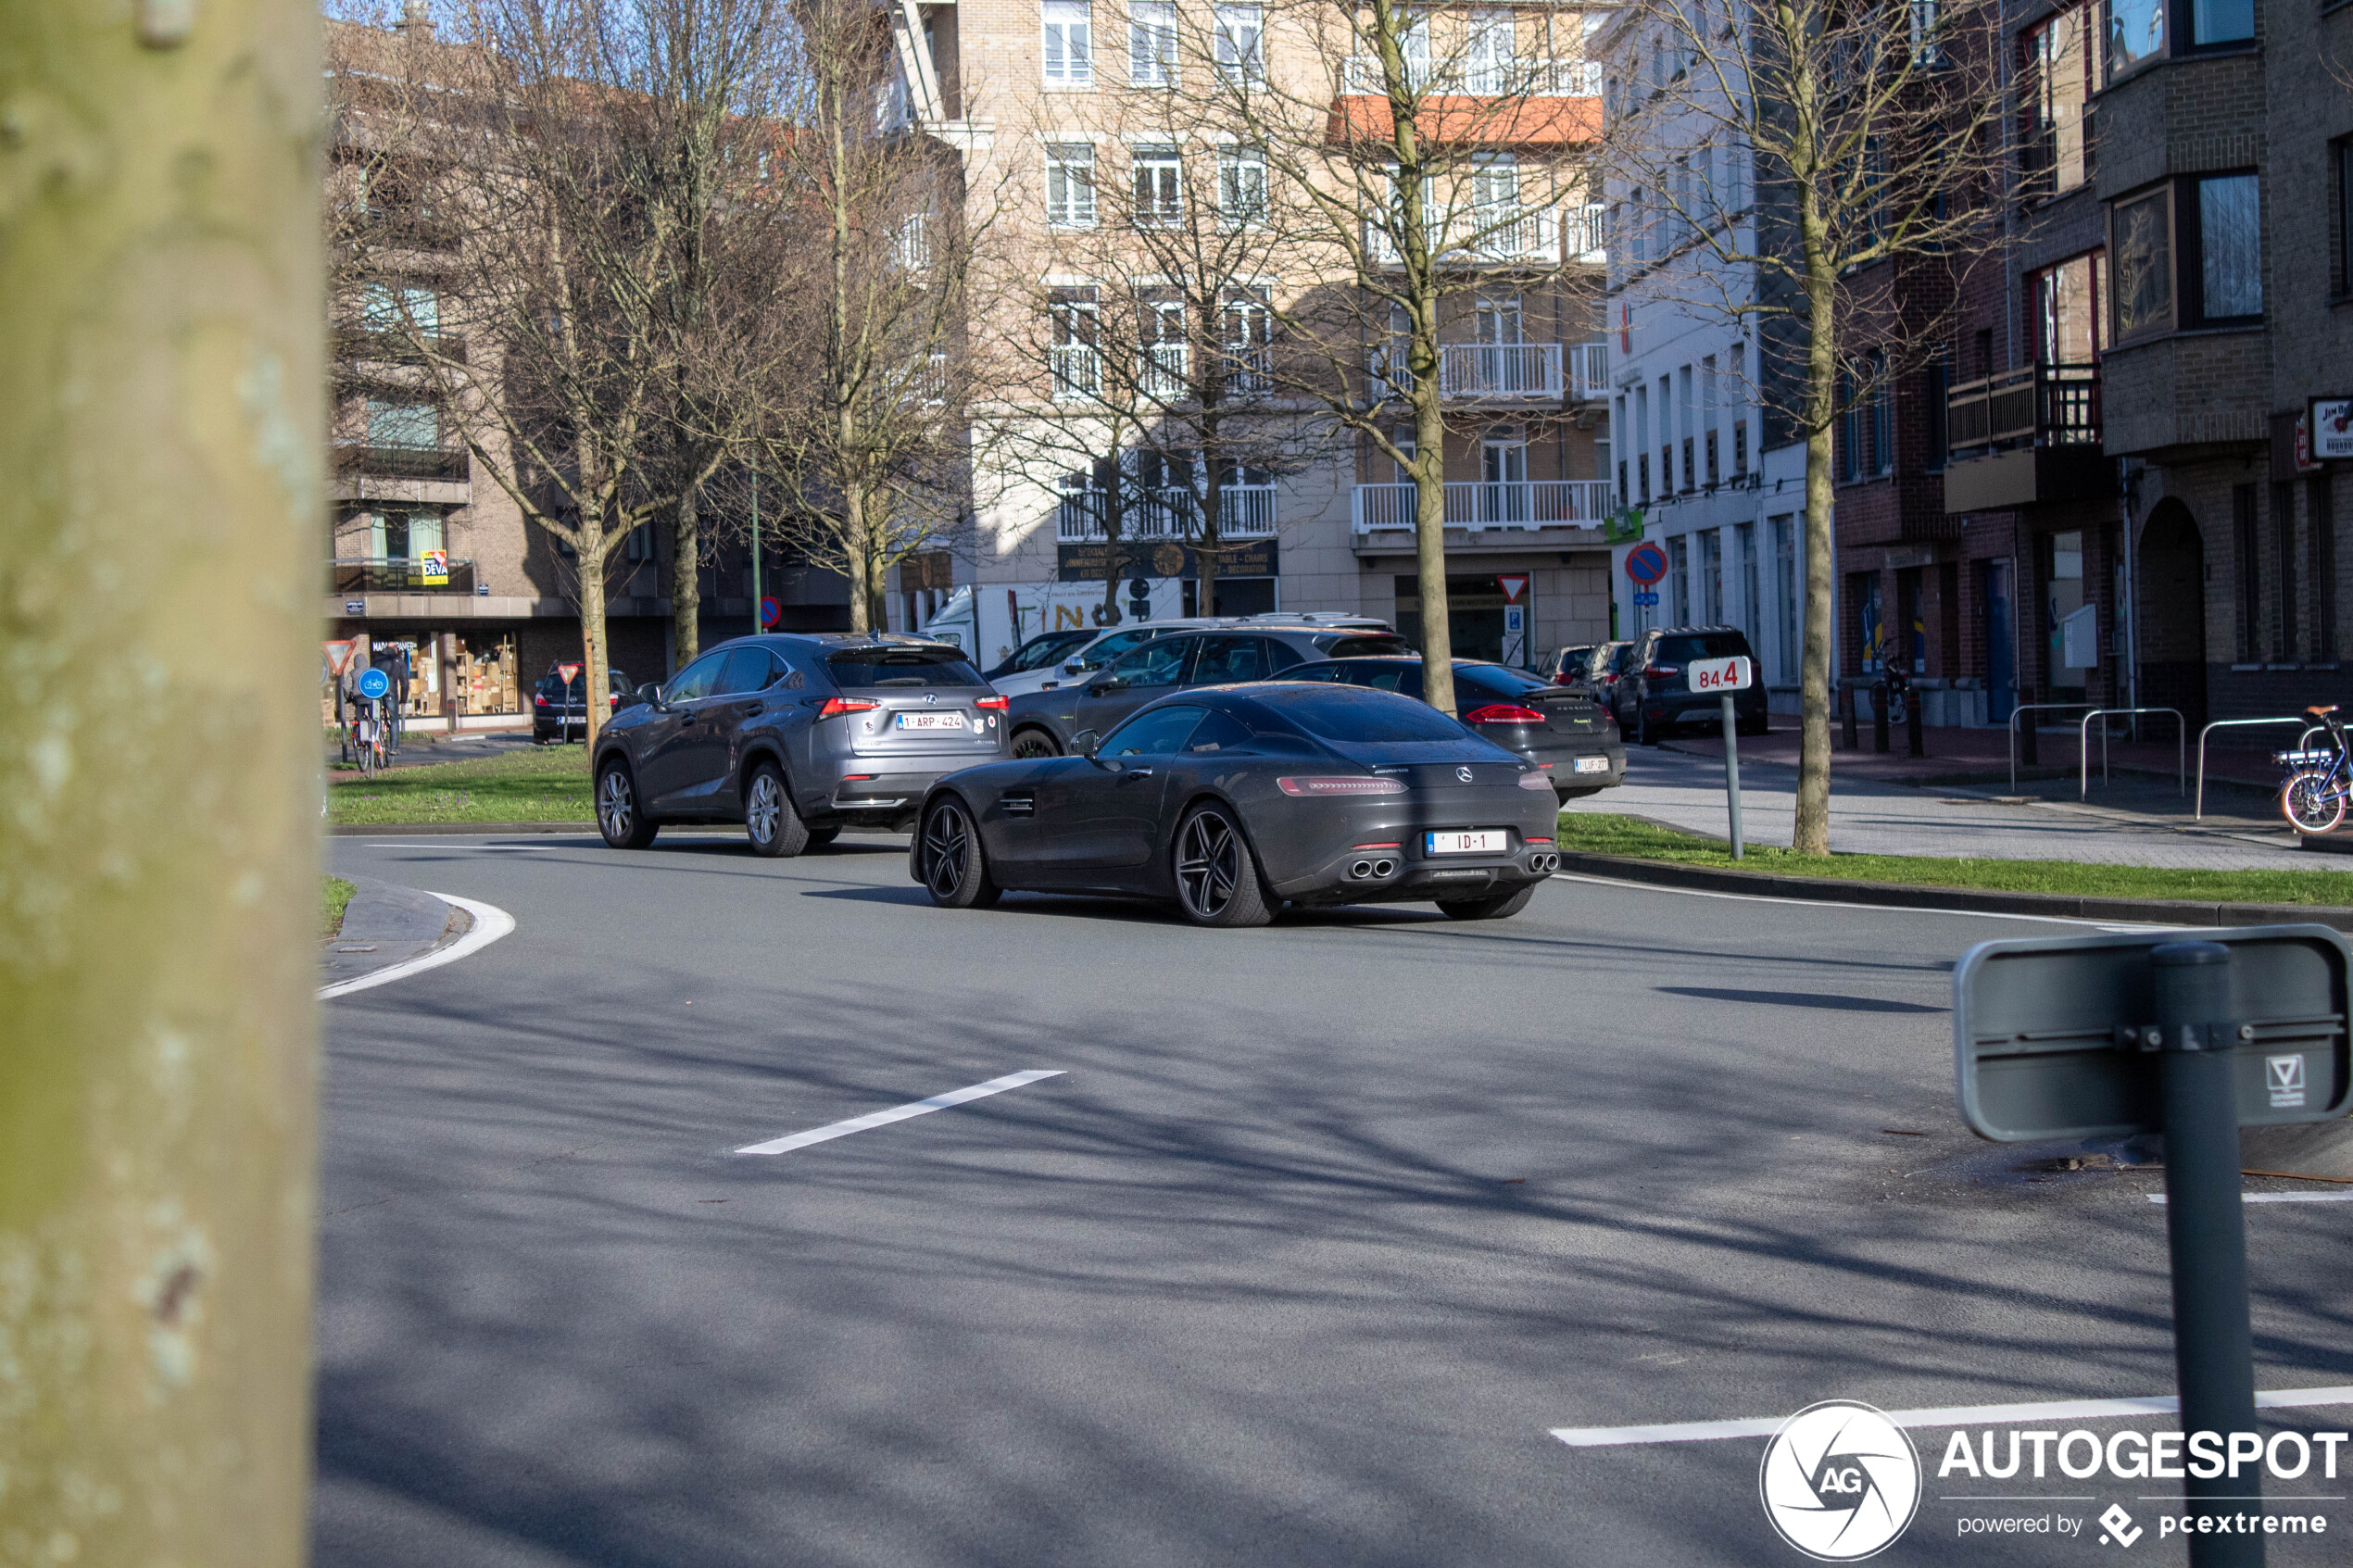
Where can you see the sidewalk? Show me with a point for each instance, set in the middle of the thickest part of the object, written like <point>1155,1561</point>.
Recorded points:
<point>2134,823</point>
<point>1982,756</point>
<point>385,926</point>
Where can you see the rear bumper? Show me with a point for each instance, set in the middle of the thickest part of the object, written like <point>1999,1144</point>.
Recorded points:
<point>1358,875</point>
<point>1677,707</point>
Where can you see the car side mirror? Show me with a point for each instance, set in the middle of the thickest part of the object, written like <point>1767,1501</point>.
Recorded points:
<point>650,694</point>
<point>1076,666</point>
<point>1108,683</point>
<point>1085,742</point>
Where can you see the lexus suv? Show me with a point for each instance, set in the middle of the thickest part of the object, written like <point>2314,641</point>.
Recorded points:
<point>796,737</point>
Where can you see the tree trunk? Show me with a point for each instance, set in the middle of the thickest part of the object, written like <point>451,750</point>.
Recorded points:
<point>160,342</point>
<point>686,578</point>
<point>1810,832</point>
<point>1115,531</point>
<point>594,659</point>
<point>854,554</point>
<point>1205,556</point>
<point>1429,525</point>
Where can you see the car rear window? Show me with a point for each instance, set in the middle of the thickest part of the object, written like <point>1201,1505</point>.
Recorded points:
<point>854,668</point>
<point>1363,645</point>
<point>1355,715</point>
<point>1688,646</point>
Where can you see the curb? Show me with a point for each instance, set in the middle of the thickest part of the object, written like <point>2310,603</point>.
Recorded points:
<point>485,924</point>
<point>445,830</point>
<point>1909,896</point>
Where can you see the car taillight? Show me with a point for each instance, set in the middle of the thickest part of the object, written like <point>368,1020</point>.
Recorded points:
<point>1660,671</point>
<point>538,699</point>
<point>1540,841</point>
<point>1346,785</point>
<point>999,703</point>
<point>1535,779</point>
<point>1502,713</point>
<point>845,705</point>
<point>1396,846</point>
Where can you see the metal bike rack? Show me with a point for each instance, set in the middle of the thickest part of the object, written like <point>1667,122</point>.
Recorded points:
<point>2084,748</point>
<point>2031,708</point>
<point>2236,724</point>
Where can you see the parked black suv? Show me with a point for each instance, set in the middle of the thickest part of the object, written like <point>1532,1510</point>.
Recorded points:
<point>1653,698</point>
<point>796,737</point>
<point>1044,722</point>
<point>560,707</point>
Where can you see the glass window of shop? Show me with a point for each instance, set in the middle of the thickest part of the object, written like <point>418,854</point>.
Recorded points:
<point>2065,597</point>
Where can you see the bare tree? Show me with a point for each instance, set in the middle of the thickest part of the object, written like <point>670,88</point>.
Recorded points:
<point>1421,156</point>
<point>1816,166</point>
<point>1152,399</point>
<point>867,435</point>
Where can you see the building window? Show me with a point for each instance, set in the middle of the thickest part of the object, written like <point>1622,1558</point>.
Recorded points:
<point>1160,186</point>
<point>2062,72</point>
<point>2229,249</point>
<point>2221,21</point>
<point>2343,153</point>
<point>1487,52</point>
<point>1070,185</point>
<point>2247,563</point>
<point>1678,579</point>
<point>1152,43</point>
<point>1744,534</point>
<point>1711,577</point>
<point>1241,186</point>
<point>1938,380</point>
<point>2067,303</point>
<point>2141,236</point>
<point>1785,596</point>
<point>1071,319</point>
<point>392,308</point>
<point>1163,363</point>
<point>1882,398</point>
<point>2321,519</point>
<point>1850,430</point>
<point>1241,53</point>
<point>2136,34</point>
<point>1070,42</point>
<point>1247,337</point>
<point>415,426</point>
<point>2284,553</point>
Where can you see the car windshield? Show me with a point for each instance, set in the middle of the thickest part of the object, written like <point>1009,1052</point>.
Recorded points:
<point>1684,646</point>
<point>856,668</point>
<point>1357,716</point>
<point>1038,652</point>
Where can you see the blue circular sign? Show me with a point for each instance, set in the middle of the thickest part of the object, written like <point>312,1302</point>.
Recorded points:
<point>374,684</point>
<point>771,612</point>
<point>1646,564</point>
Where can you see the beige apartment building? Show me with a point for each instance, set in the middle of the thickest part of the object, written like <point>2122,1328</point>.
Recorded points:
<point>1092,131</point>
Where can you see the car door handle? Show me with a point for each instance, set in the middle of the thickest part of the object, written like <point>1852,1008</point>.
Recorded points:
<point>1136,773</point>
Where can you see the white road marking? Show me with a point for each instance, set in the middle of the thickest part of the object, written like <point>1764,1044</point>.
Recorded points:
<point>896,1113</point>
<point>490,924</point>
<point>2280,1197</point>
<point>1948,1415</point>
<point>1837,904</point>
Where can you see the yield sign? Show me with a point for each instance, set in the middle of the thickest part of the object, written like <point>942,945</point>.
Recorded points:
<point>338,654</point>
<point>571,672</point>
<point>1513,588</point>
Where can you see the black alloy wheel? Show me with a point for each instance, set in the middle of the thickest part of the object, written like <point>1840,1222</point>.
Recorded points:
<point>774,828</point>
<point>955,870</point>
<point>1034,742</point>
<point>1502,906</point>
<point>618,818</point>
<point>1216,875</point>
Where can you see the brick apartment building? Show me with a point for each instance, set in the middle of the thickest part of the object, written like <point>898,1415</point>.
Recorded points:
<point>1064,104</point>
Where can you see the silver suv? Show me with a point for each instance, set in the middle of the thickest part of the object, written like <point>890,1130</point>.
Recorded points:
<point>796,737</point>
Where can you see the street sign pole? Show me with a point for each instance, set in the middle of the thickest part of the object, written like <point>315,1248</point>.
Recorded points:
<point>1732,772</point>
<point>758,622</point>
<point>2205,1227</point>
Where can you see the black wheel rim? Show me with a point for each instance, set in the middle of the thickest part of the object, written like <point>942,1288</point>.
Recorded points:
<point>614,806</point>
<point>947,841</point>
<point>767,807</point>
<point>1208,857</point>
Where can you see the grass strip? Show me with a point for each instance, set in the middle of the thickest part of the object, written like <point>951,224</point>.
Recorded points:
<point>336,897</point>
<point>537,783</point>
<point>1602,832</point>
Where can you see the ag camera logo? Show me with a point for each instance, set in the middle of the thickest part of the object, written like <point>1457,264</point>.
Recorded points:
<point>1840,1481</point>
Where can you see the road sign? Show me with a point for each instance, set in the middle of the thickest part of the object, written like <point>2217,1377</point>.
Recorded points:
<point>571,672</point>
<point>2329,426</point>
<point>771,612</point>
<point>1646,564</point>
<point>1726,675</point>
<point>1646,601</point>
<point>2052,1034</point>
<point>338,654</point>
<point>374,684</point>
<point>355,606</point>
<point>1513,588</point>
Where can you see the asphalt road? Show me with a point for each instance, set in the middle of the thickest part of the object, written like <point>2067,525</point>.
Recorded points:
<point>1320,1232</point>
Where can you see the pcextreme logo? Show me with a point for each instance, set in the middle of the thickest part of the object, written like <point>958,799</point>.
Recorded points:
<point>1840,1481</point>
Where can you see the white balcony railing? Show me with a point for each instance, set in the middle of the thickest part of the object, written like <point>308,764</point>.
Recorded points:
<point>1589,371</point>
<point>1077,371</point>
<point>1534,79</point>
<point>1165,370</point>
<point>1490,371</point>
<point>1526,504</point>
<point>1243,511</point>
<point>1483,238</point>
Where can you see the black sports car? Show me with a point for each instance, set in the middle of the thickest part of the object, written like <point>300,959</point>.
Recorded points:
<point>1234,800</point>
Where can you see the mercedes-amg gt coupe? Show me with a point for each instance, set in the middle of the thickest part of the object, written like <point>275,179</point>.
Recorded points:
<point>1232,801</point>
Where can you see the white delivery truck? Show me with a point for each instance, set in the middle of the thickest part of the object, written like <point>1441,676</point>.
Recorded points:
<point>993,619</point>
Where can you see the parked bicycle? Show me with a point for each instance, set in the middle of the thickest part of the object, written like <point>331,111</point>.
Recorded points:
<point>2319,783</point>
<point>365,736</point>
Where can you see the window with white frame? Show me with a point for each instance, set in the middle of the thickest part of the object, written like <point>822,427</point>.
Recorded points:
<point>1069,43</point>
<point>1242,186</point>
<point>1240,42</point>
<point>1163,365</point>
<point>1151,44</point>
<point>1248,335</point>
<point>1070,184</point>
<point>1073,316</point>
<point>1501,226</point>
<point>1487,52</point>
<point>1160,186</point>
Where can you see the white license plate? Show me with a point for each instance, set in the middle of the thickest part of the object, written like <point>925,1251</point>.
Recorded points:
<point>1477,841</point>
<point>930,722</point>
<point>1592,765</point>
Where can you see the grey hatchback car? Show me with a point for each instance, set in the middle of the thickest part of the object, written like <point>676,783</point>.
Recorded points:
<point>796,737</point>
